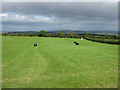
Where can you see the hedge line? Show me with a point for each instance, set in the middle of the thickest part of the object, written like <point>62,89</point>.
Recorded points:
<point>109,41</point>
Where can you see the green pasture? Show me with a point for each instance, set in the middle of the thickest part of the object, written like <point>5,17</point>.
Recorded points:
<point>58,63</point>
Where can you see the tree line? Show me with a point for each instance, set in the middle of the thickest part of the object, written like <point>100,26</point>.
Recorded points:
<point>60,34</point>
<point>112,39</point>
<point>43,33</point>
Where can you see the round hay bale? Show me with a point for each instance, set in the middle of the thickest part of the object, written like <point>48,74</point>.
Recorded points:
<point>35,44</point>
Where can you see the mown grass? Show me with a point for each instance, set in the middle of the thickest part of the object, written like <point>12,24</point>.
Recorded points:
<point>58,63</point>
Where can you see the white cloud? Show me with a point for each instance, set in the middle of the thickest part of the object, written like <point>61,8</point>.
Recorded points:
<point>45,19</point>
<point>3,15</point>
<point>13,17</point>
<point>19,17</point>
<point>25,18</point>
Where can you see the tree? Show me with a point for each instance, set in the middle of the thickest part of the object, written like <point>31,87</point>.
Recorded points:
<point>114,36</point>
<point>76,36</point>
<point>81,36</point>
<point>42,33</point>
<point>19,34</point>
<point>5,34</point>
<point>35,34</point>
<point>53,35</point>
<point>12,34</point>
<point>16,34</point>
<point>70,34</point>
<point>60,34</point>
<point>91,35</point>
<point>30,34</point>
<point>24,34</point>
<point>119,36</point>
<point>49,35</point>
<point>85,34</point>
<point>106,36</point>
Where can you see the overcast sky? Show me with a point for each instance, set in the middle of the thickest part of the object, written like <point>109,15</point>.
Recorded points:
<point>36,16</point>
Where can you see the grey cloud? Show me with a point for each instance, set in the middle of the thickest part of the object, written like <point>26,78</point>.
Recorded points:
<point>69,9</point>
<point>68,15</point>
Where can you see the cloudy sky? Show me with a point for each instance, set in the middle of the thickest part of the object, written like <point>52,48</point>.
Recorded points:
<point>36,16</point>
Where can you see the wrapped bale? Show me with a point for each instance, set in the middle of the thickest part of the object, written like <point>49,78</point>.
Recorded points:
<point>35,44</point>
<point>77,43</point>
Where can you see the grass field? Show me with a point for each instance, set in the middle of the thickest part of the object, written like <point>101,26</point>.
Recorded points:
<point>58,63</point>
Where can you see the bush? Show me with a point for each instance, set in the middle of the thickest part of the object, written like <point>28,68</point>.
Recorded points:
<point>12,34</point>
<point>35,34</point>
<point>30,34</point>
<point>49,35</point>
<point>24,34</point>
<point>5,34</point>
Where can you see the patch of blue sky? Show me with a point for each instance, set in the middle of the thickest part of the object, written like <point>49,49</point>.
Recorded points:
<point>41,16</point>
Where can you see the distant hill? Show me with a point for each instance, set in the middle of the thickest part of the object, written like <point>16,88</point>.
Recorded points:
<point>22,32</point>
<point>80,32</point>
<point>66,31</point>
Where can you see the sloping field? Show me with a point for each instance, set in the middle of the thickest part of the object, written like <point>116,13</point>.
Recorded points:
<point>58,63</point>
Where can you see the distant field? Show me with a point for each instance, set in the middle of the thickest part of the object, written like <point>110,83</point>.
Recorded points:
<point>58,63</point>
